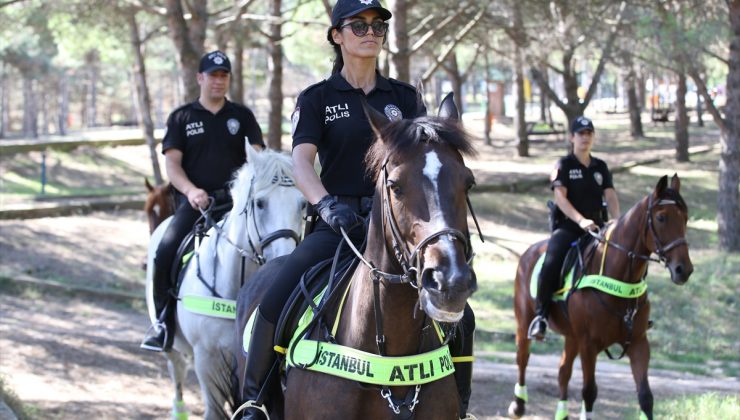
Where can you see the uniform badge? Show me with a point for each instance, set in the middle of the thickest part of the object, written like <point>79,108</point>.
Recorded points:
<point>294,120</point>
<point>393,112</point>
<point>366,2</point>
<point>598,177</point>
<point>233,125</point>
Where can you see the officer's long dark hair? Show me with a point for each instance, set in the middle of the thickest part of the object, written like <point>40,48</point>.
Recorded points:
<point>338,60</point>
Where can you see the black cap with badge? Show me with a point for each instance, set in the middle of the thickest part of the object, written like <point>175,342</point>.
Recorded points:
<point>581,124</point>
<point>348,8</point>
<point>214,60</point>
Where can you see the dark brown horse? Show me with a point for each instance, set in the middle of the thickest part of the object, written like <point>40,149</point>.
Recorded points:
<point>593,320</point>
<point>420,210</point>
<point>159,204</point>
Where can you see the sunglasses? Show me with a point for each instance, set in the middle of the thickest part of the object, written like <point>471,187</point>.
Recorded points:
<point>360,27</point>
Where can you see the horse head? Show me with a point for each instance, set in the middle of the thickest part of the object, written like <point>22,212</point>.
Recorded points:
<point>159,204</point>
<point>422,185</point>
<point>666,219</point>
<point>266,199</point>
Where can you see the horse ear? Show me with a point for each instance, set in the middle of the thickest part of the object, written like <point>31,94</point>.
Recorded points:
<point>251,151</point>
<point>448,109</point>
<point>675,182</point>
<point>377,120</point>
<point>661,186</point>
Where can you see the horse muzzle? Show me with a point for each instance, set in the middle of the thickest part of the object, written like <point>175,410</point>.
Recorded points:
<point>680,271</point>
<point>443,291</point>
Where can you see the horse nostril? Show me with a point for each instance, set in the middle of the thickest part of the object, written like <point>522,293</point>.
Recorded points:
<point>430,279</point>
<point>679,269</point>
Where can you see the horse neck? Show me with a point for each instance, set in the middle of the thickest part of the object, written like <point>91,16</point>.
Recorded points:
<point>629,232</point>
<point>402,323</point>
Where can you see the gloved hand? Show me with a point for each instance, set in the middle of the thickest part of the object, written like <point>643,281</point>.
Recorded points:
<point>337,215</point>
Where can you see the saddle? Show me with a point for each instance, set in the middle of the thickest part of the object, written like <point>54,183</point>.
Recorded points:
<point>572,268</point>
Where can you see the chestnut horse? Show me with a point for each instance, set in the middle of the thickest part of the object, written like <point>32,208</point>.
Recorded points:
<point>159,204</point>
<point>415,271</point>
<point>591,320</point>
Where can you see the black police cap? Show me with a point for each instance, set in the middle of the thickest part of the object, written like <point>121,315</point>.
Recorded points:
<point>347,8</point>
<point>581,124</point>
<point>214,60</point>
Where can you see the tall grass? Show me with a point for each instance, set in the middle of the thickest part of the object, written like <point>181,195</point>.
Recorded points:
<point>704,406</point>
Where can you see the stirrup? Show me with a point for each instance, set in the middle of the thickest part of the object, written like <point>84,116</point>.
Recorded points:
<point>251,404</point>
<point>469,417</point>
<point>157,328</point>
<point>534,325</point>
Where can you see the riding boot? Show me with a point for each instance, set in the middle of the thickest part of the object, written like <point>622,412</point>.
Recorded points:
<point>158,335</point>
<point>462,347</point>
<point>538,326</point>
<point>260,360</point>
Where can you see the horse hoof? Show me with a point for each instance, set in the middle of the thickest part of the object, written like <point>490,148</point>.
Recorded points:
<point>516,410</point>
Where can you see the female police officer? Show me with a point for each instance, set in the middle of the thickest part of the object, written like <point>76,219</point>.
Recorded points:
<point>580,183</point>
<point>329,120</point>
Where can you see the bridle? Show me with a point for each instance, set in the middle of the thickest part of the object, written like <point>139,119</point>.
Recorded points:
<point>258,246</point>
<point>660,249</point>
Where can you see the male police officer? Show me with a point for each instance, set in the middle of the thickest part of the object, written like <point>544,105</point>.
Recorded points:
<point>203,145</point>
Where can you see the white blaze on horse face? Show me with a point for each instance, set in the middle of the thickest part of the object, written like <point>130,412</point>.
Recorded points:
<point>432,169</point>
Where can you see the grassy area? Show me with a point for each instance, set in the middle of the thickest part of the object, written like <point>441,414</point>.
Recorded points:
<point>696,324</point>
<point>705,406</point>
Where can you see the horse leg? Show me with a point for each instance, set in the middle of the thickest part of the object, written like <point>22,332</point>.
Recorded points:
<point>639,354</point>
<point>177,366</point>
<point>570,351</point>
<point>214,376</point>
<point>590,390</point>
<point>517,407</point>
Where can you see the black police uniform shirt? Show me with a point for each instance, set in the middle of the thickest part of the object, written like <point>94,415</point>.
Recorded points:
<point>212,144</point>
<point>329,115</point>
<point>585,185</point>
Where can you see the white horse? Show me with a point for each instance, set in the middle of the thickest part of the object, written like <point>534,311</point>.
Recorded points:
<point>263,224</point>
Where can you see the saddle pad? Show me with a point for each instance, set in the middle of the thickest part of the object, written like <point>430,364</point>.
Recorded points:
<point>558,295</point>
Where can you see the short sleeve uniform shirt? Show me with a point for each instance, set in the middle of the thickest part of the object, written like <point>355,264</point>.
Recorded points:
<point>329,115</point>
<point>212,144</point>
<point>585,185</point>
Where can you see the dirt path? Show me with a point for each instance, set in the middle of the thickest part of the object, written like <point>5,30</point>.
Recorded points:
<point>78,357</point>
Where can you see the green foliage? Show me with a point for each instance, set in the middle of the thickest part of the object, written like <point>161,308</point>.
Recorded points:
<point>705,406</point>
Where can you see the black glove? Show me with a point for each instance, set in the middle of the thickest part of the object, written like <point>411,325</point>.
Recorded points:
<point>336,214</point>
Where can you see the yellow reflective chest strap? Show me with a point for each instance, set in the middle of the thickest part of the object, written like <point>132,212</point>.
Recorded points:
<point>360,366</point>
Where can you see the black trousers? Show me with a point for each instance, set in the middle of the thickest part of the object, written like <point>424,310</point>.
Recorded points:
<point>181,224</point>
<point>319,245</point>
<point>560,242</point>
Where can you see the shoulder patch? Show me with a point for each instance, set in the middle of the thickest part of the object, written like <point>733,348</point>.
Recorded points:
<point>308,90</point>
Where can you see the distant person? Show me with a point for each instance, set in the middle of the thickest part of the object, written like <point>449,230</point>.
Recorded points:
<point>580,183</point>
<point>203,146</point>
<point>329,120</point>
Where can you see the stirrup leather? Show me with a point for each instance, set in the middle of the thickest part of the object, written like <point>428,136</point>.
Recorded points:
<point>536,322</point>
<point>251,404</point>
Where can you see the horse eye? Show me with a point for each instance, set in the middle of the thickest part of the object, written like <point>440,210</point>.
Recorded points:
<point>661,218</point>
<point>393,185</point>
<point>260,204</point>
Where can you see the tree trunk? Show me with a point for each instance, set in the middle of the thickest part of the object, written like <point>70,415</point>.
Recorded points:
<point>237,69</point>
<point>682,120</point>
<point>699,112</point>
<point>63,104</point>
<point>145,101</point>
<point>522,142</point>
<point>488,123</point>
<point>544,103</point>
<point>274,130</point>
<point>3,102</point>
<point>92,104</point>
<point>188,38</point>
<point>728,198</point>
<point>398,41</point>
<point>30,120</point>
<point>633,104</point>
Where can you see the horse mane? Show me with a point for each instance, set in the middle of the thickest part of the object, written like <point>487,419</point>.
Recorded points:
<point>399,137</point>
<point>267,170</point>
